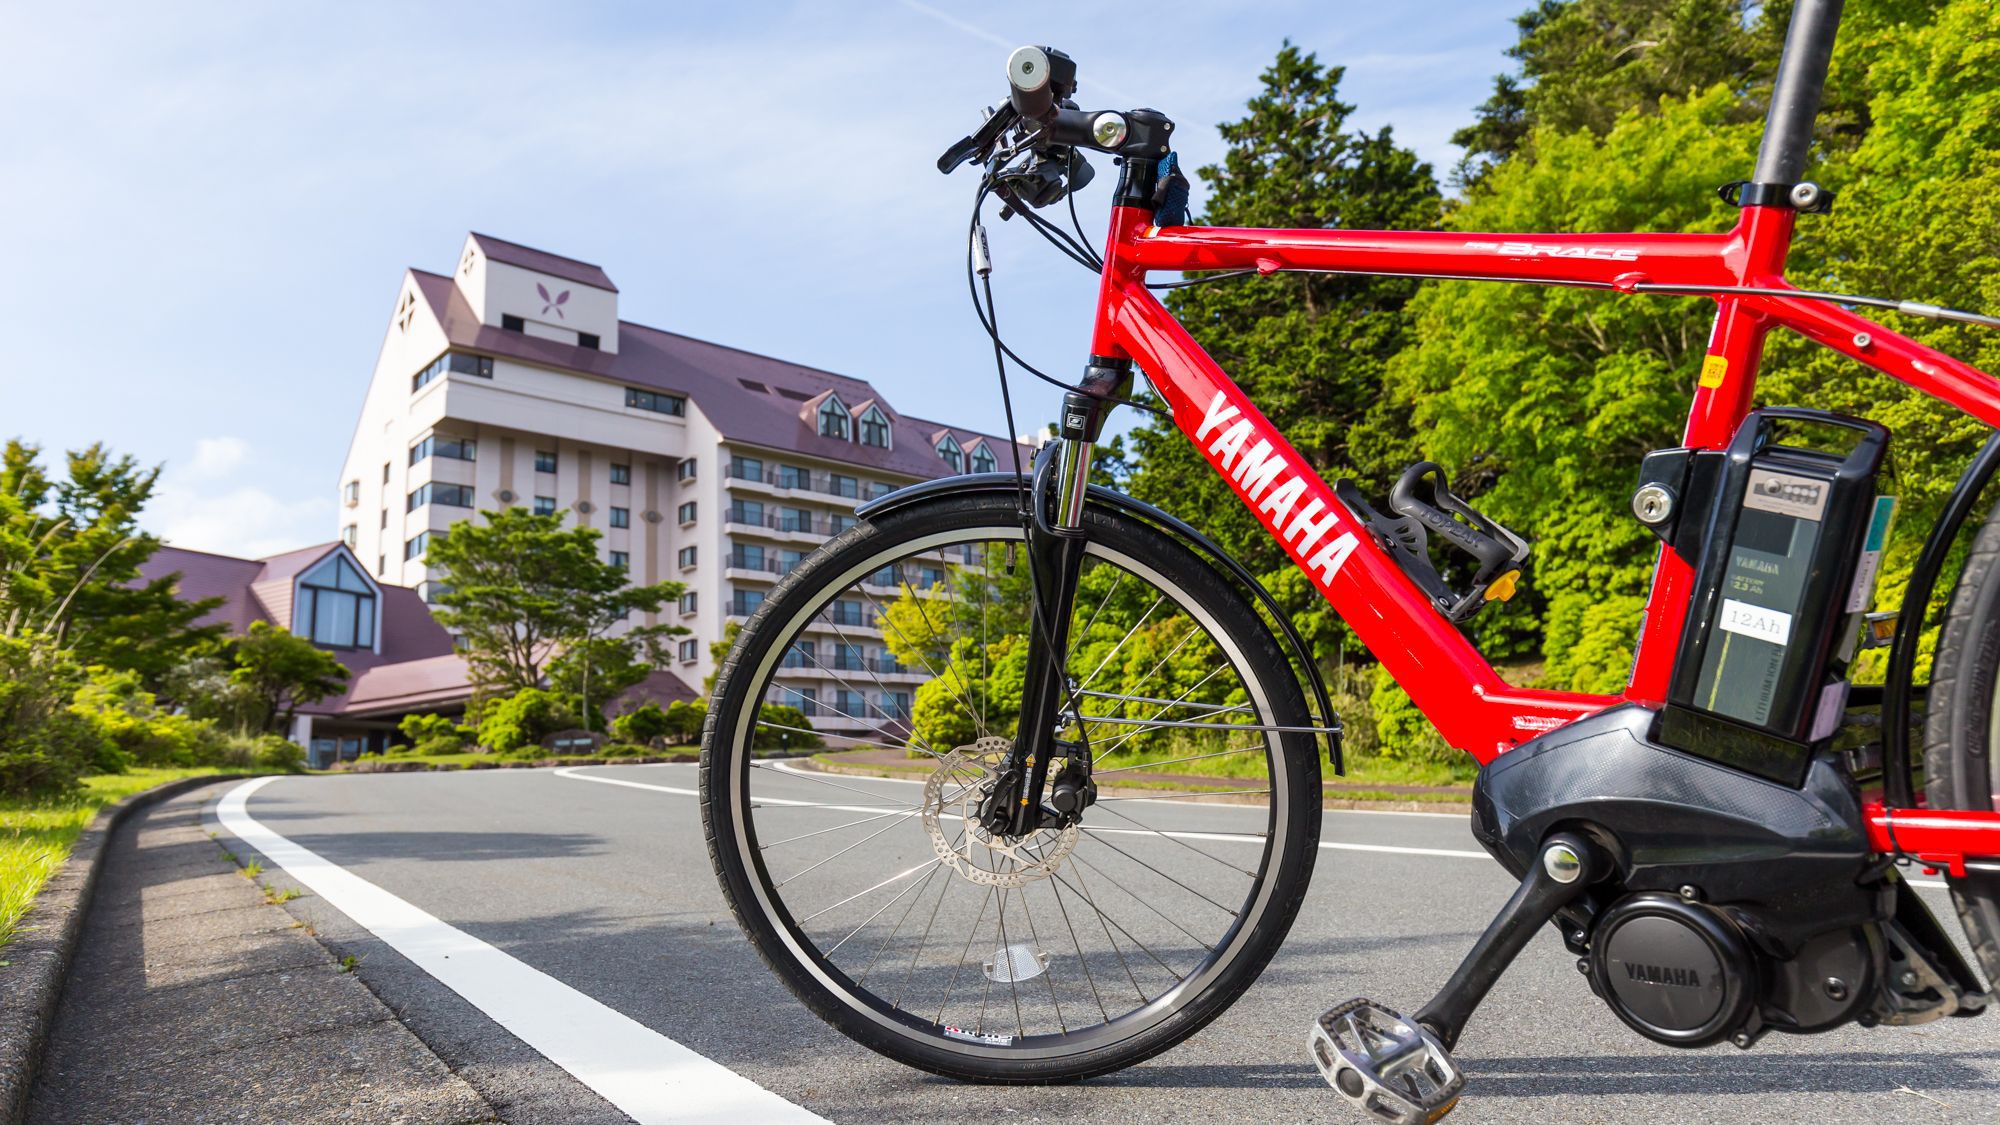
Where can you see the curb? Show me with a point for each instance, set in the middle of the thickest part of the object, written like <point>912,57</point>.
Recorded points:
<point>419,766</point>
<point>46,940</point>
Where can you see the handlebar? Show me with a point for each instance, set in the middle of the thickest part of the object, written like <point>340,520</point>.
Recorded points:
<point>1040,84</point>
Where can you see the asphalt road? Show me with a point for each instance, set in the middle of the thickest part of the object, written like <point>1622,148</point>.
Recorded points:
<point>607,889</point>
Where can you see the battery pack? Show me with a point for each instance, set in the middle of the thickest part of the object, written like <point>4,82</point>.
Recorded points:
<point>1793,530</point>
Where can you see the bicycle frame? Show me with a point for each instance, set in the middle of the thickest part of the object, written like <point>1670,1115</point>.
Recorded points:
<point>1455,687</point>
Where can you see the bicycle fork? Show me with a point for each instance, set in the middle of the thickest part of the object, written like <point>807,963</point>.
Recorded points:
<point>1055,549</point>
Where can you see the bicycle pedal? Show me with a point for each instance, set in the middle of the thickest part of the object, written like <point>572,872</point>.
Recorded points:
<point>1385,1064</point>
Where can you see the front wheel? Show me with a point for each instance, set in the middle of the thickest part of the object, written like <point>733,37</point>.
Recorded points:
<point>887,908</point>
<point>1962,728</point>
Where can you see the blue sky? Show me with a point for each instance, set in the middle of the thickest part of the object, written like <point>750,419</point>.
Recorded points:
<point>205,208</point>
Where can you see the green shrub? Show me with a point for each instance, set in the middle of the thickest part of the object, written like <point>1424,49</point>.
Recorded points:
<point>44,745</point>
<point>622,749</point>
<point>687,719</point>
<point>1589,641</point>
<point>768,737</point>
<point>520,722</point>
<point>139,730</point>
<point>643,725</point>
<point>434,734</point>
<point>1401,730</point>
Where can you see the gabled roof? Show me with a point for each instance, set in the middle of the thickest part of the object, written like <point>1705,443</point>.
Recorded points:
<point>541,261</point>
<point>712,376</point>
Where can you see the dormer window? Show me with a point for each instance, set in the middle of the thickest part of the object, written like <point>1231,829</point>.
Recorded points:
<point>833,418</point>
<point>982,460</point>
<point>948,452</point>
<point>335,606</point>
<point>875,428</point>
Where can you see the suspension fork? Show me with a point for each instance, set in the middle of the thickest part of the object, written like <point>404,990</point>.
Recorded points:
<point>1055,558</point>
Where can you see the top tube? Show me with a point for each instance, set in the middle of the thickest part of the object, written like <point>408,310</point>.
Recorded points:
<point>1795,96</point>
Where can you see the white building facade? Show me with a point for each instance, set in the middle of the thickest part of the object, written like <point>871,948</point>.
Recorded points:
<point>512,382</point>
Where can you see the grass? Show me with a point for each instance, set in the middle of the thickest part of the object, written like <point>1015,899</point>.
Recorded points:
<point>461,758</point>
<point>35,836</point>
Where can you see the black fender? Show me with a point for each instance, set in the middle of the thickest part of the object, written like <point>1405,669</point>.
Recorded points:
<point>1305,668</point>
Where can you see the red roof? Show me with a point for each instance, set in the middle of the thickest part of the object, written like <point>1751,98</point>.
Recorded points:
<point>713,376</point>
<point>541,261</point>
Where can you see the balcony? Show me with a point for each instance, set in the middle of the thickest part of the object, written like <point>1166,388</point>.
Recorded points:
<point>781,478</point>
<point>787,523</point>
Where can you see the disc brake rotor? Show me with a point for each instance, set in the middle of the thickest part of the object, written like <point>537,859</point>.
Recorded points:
<point>954,792</point>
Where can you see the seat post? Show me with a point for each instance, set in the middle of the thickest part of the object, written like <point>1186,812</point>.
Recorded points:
<point>1795,96</point>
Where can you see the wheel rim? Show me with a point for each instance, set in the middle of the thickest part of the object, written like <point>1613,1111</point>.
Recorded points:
<point>1081,956</point>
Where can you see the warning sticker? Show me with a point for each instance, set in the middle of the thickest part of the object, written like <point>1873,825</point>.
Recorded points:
<point>1714,370</point>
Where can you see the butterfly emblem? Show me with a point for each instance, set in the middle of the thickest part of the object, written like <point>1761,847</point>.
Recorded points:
<point>554,303</point>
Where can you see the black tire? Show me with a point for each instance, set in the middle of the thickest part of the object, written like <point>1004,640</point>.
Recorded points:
<point>1962,729</point>
<point>1289,846</point>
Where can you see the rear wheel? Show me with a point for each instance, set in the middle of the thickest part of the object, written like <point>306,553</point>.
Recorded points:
<point>1062,954</point>
<point>1962,731</point>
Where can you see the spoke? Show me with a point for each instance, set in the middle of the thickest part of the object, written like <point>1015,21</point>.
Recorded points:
<point>1183,843</point>
<point>835,828</point>
<point>1183,796</point>
<point>1170,653</point>
<point>1078,638</point>
<point>809,775</point>
<point>978,714</point>
<point>1105,919</point>
<point>1177,761</point>
<point>1141,900</point>
<point>1013,983</point>
<point>1169,878</point>
<point>951,981</point>
<point>903,874</point>
<point>900,923</point>
<point>878,913</point>
<point>911,973</point>
<point>1050,976</point>
<point>1136,626</point>
<point>829,859</point>
<point>925,661</point>
<point>1211,708</point>
<point>1081,957</point>
<point>1137,731</point>
<point>909,744</point>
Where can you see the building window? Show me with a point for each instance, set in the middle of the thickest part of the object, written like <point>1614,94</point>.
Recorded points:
<point>336,605</point>
<point>850,704</point>
<point>808,701</point>
<point>545,505</point>
<point>836,524</point>
<point>430,592</point>
<point>385,472</point>
<point>383,523</point>
<point>349,534</point>
<point>545,461</point>
<point>415,547</point>
<point>745,602</point>
<point>586,340</point>
<point>746,468</point>
<point>833,418</point>
<point>513,323</point>
<point>621,474</point>
<point>875,428</point>
<point>841,486</point>
<point>795,519</point>
<point>688,602</point>
<point>458,363</point>
<point>438,492</point>
<point>686,512</point>
<point>947,451</point>
<point>381,565</point>
<point>457,449</point>
<point>982,460</point>
<point>656,402</point>
<point>747,557</point>
<point>690,651</point>
<point>791,476</point>
<point>621,517</point>
<point>621,559</point>
<point>686,557</point>
<point>351,493</point>
<point>875,489</point>
<point>685,470</point>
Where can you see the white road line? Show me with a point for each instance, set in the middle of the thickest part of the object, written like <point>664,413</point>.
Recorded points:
<point>571,773</point>
<point>645,1074</point>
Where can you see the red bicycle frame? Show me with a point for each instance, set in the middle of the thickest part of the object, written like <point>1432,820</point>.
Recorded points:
<point>1446,676</point>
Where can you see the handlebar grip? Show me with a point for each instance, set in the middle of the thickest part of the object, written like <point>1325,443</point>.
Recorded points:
<point>1038,79</point>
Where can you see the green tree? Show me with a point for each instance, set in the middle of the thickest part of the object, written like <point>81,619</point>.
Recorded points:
<point>1311,349</point>
<point>644,725</point>
<point>523,591</point>
<point>282,673</point>
<point>44,745</point>
<point>434,734</point>
<point>70,552</point>
<point>522,720</point>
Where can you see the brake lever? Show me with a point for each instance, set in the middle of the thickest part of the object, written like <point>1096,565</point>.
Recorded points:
<point>972,149</point>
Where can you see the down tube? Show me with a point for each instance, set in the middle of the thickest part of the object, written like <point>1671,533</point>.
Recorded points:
<point>1445,675</point>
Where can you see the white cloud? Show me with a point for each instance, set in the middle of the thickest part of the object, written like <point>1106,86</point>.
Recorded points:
<point>216,457</point>
<point>208,505</point>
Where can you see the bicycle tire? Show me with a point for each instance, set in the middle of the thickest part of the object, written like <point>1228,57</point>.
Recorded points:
<point>1962,727</point>
<point>726,760</point>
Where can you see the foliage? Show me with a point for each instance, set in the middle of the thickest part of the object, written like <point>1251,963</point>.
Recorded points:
<point>594,670</point>
<point>44,745</point>
<point>434,734</point>
<point>522,591</point>
<point>135,729</point>
<point>644,725</point>
<point>282,672</point>
<point>1401,731</point>
<point>70,552</point>
<point>784,728</point>
<point>1310,349</point>
<point>520,721</point>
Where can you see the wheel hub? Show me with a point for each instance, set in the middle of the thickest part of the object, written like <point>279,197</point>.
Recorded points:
<point>952,798</point>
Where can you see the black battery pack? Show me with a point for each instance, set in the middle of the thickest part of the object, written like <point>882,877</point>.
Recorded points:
<point>1760,676</point>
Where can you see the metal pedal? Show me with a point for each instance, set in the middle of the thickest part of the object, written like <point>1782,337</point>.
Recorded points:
<point>1385,1063</point>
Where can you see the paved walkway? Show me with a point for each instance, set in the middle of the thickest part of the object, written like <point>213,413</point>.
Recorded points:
<point>193,998</point>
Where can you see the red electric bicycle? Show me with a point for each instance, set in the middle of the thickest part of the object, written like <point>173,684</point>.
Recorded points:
<point>1111,739</point>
